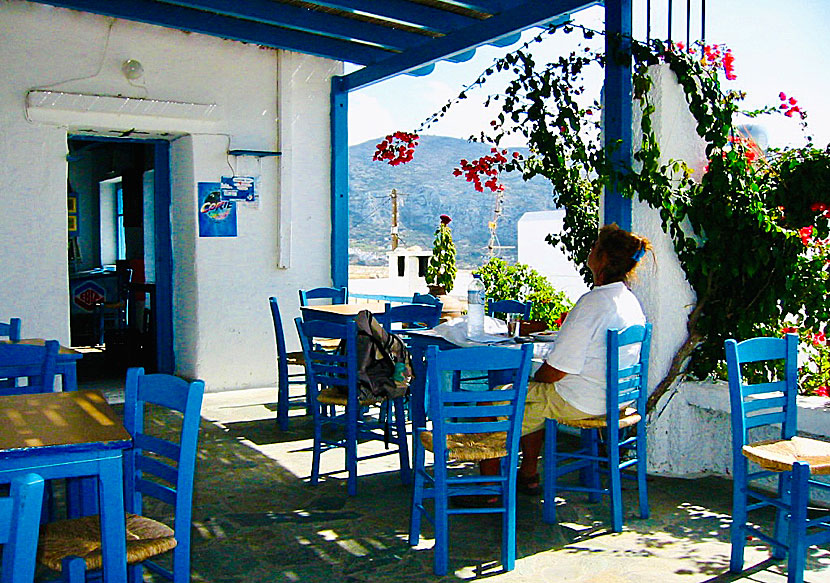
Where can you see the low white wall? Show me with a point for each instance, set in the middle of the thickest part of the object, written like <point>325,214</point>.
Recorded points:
<point>690,433</point>
<point>265,100</point>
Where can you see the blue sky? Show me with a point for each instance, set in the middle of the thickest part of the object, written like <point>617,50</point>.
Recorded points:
<point>778,46</point>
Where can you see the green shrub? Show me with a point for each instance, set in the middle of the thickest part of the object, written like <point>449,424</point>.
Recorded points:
<point>519,282</point>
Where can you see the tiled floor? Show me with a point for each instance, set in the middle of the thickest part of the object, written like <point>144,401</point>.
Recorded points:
<point>257,520</point>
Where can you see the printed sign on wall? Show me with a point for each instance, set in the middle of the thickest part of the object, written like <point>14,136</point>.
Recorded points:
<point>217,217</point>
<point>242,188</point>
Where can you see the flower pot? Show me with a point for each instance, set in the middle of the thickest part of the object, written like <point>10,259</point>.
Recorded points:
<point>437,290</point>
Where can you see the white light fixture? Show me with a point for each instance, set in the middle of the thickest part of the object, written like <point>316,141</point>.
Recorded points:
<point>80,102</point>
<point>132,69</point>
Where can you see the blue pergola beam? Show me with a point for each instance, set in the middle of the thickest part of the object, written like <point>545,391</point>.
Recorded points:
<point>520,17</point>
<point>188,19</point>
<point>618,104</point>
<point>339,183</point>
<point>420,15</point>
<point>286,15</point>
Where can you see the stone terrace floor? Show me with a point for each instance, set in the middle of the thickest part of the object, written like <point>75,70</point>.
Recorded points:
<point>258,520</point>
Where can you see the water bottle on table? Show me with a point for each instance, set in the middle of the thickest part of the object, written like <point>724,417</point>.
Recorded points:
<point>475,307</point>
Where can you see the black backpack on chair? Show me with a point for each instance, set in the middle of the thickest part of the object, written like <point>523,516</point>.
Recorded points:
<point>384,365</point>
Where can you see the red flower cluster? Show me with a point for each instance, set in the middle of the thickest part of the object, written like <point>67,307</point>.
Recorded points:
<point>396,148</point>
<point>806,234</point>
<point>789,105</point>
<point>823,391</point>
<point>820,207</point>
<point>485,167</point>
<point>445,219</point>
<point>819,338</point>
<point>719,55</point>
<point>748,146</point>
<point>789,330</point>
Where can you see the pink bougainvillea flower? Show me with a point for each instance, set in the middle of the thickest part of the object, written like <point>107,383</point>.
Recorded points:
<point>782,96</point>
<point>818,207</point>
<point>819,338</point>
<point>793,101</point>
<point>789,330</point>
<point>823,391</point>
<point>445,219</point>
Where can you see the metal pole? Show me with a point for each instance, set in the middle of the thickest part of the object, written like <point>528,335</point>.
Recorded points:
<point>394,197</point>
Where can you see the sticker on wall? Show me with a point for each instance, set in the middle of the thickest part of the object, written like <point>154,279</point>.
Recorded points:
<point>239,188</point>
<point>217,217</point>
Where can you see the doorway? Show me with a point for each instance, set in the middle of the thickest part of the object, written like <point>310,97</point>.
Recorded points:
<point>120,282</point>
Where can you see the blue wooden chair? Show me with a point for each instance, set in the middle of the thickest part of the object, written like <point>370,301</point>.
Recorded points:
<point>285,379</point>
<point>428,299</point>
<point>157,467</point>
<point>771,404</point>
<point>332,383</point>
<point>28,368</point>
<point>399,319</point>
<point>19,527</point>
<point>11,330</point>
<point>331,295</point>
<point>469,426</point>
<point>623,384</point>
<point>510,307</point>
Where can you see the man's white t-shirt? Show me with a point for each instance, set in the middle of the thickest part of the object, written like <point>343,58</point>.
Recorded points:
<point>579,349</point>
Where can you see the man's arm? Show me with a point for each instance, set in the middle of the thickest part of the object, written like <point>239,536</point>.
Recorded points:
<point>548,374</point>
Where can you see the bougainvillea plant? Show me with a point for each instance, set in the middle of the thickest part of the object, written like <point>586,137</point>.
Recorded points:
<point>397,148</point>
<point>749,228</point>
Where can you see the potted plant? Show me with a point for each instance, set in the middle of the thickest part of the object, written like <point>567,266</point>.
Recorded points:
<point>441,270</point>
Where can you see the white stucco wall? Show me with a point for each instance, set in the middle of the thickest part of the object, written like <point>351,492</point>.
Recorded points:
<point>222,325</point>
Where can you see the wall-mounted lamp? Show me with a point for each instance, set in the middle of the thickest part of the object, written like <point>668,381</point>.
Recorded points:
<point>132,69</point>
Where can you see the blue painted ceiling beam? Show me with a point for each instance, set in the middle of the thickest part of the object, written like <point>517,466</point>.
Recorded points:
<point>523,15</point>
<point>293,17</point>
<point>191,20</point>
<point>433,19</point>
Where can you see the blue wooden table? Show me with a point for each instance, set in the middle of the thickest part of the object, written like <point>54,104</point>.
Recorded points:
<point>69,435</point>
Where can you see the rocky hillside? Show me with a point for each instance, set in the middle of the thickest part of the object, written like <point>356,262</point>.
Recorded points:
<point>427,189</point>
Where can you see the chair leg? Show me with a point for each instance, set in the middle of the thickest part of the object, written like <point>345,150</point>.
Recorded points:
<point>318,437</point>
<point>351,448</point>
<point>441,523</point>
<point>135,573</point>
<point>615,479</point>
<point>782,518</point>
<point>508,521</point>
<point>417,493</point>
<point>282,404</point>
<point>739,513</point>
<point>799,497</point>
<point>403,446</point>
<point>642,469</point>
<point>590,476</point>
<point>73,569</point>
<point>549,470</point>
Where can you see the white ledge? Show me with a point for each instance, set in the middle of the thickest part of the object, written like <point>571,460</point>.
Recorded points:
<point>813,412</point>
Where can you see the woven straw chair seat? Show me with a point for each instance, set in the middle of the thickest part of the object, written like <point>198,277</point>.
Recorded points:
<point>331,396</point>
<point>628,417</point>
<point>82,537</point>
<point>471,447</point>
<point>779,455</point>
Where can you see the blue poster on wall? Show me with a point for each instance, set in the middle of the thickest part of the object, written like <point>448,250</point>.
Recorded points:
<point>241,188</point>
<point>217,217</point>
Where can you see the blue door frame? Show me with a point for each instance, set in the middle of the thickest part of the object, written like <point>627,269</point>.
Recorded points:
<point>165,359</point>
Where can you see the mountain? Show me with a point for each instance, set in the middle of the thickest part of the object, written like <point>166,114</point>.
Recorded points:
<point>427,189</point>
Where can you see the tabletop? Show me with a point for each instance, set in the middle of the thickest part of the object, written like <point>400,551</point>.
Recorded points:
<point>346,310</point>
<point>58,420</point>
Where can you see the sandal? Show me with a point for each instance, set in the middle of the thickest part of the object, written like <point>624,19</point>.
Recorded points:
<point>528,485</point>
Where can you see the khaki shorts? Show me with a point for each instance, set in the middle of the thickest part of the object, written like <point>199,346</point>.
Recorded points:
<point>542,402</point>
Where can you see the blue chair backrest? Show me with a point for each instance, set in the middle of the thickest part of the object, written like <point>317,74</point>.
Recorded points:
<point>476,411</point>
<point>160,466</point>
<point>413,316</point>
<point>327,368</point>
<point>767,401</point>
<point>19,527</point>
<point>11,330</point>
<point>428,299</point>
<point>509,307</point>
<point>279,333</point>
<point>28,368</point>
<point>626,382</point>
<point>335,295</point>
